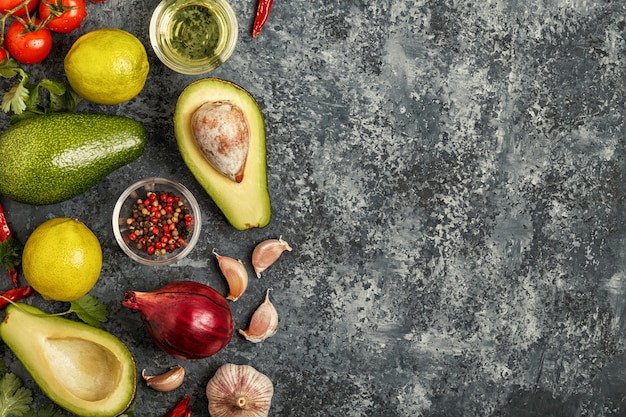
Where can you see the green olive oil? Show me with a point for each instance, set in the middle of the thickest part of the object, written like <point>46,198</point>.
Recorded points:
<point>194,32</point>
<point>193,36</point>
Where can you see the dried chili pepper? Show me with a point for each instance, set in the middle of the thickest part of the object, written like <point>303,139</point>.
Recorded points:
<point>10,249</point>
<point>16,294</point>
<point>182,409</point>
<point>262,13</point>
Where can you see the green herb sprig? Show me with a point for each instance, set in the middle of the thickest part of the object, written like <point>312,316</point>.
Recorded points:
<point>11,253</point>
<point>89,310</point>
<point>47,411</point>
<point>26,99</point>
<point>15,400</point>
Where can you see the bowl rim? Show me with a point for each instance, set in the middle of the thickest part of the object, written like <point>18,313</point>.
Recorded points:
<point>194,206</point>
<point>212,62</point>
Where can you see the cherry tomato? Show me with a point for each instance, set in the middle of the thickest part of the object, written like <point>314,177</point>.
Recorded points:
<point>6,5</point>
<point>28,45</point>
<point>62,15</point>
<point>3,54</point>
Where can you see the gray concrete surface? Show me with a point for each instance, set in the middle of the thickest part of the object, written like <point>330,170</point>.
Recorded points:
<point>451,178</point>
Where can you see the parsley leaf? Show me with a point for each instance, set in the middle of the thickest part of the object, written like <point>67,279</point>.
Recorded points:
<point>9,68</point>
<point>15,99</point>
<point>15,400</point>
<point>65,101</point>
<point>48,411</point>
<point>11,253</point>
<point>89,310</point>
<point>54,87</point>
<point>25,99</point>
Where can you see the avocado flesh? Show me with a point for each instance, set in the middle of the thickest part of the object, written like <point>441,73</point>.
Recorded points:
<point>245,204</point>
<point>83,369</point>
<point>52,158</point>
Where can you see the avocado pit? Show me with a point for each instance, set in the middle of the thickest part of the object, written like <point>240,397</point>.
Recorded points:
<point>222,135</point>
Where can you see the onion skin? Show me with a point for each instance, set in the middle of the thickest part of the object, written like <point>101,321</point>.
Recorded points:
<point>186,319</point>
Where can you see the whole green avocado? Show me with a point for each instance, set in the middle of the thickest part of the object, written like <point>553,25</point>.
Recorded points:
<point>52,158</point>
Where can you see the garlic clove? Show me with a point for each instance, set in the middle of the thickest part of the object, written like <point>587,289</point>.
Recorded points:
<point>266,253</point>
<point>168,381</point>
<point>263,323</point>
<point>239,390</point>
<point>235,273</point>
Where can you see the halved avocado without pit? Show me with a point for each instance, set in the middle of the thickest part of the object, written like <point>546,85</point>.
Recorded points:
<point>83,369</point>
<point>244,201</point>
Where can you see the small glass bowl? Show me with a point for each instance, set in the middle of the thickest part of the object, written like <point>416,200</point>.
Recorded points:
<point>124,208</point>
<point>193,36</point>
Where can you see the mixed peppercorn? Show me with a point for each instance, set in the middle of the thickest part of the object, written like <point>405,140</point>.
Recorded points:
<point>160,223</point>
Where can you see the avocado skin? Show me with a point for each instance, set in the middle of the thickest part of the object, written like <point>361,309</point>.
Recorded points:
<point>53,158</point>
<point>247,204</point>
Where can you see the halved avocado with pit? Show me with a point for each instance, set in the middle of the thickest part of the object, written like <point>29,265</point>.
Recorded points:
<point>245,204</point>
<point>83,369</point>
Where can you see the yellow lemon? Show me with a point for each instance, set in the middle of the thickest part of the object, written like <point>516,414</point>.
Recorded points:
<point>62,259</point>
<point>107,66</point>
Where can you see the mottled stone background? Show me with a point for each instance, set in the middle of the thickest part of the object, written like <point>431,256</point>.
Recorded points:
<point>451,176</point>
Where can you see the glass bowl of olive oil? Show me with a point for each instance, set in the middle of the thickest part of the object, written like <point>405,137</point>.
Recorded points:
<point>193,36</point>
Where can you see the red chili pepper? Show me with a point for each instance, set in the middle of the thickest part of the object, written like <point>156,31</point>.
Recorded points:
<point>262,13</point>
<point>10,249</point>
<point>182,409</point>
<point>16,294</point>
<point>5,232</point>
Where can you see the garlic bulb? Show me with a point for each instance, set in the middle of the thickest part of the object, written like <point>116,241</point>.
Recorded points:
<point>266,253</point>
<point>239,391</point>
<point>263,323</point>
<point>168,381</point>
<point>235,273</point>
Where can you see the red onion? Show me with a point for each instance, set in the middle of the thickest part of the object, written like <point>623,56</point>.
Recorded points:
<point>186,319</point>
